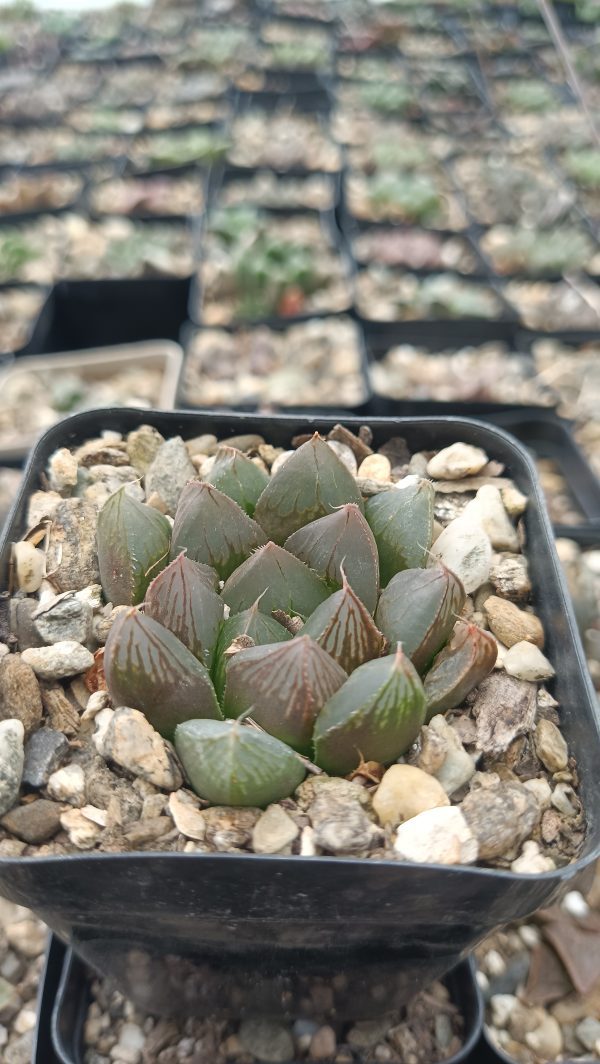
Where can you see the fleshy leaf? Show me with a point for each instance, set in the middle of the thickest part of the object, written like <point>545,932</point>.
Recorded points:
<point>313,482</point>
<point>213,529</point>
<point>181,599</point>
<point>133,546</point>
<point>286,684</point>
<point>375,716</point>
<point>281,581</point>
<point>147,668</point>
<point>324,544</point>
<point>469,657</point>
<point>419,608</point>
<point>238,477</point>
<point>345,629</point>
<point>402,523</point>
<point>259,626</point>
<point>231,763</point>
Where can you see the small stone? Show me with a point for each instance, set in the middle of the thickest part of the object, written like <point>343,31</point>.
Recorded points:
<point>62,470</point>
<point>66,658</point>
<point>457,461</point>
<point>514,500</point>
<point>147,831</point>
<point>142,446</point>
<point>10,1001</point>
<point>187,815</point>
<point>62,714</point>
<point>41,504</point>
<point>274,831</point>
<point>404,792</point>
<point>550,746</point>
<point>488,508</point>
<point>103,622</point>
<point>229,828</point>
<point>170,471</point>
<point>268,1041</point>
<point>367,1033</point>
<point>376,467</point>
<point>280,461</point>
<point>512,625</point>
<point>465,549</point>
<point>132,743</point>
<point>207,443</point>
<point>341,826</point>
<point>131,1038</point>
<point>588,1032</point>
<point>66,617</point>
<point>20,695</point>
<point>526,662</point>
<point>68,785</point>
<point>457,766</point>
<point>510,576</point>
<point>532,861</point>
<point>542,791</point>
<point>45,752</point>
<point>546,1040</point>
<point>35,822</point>
<point>500,817</point>
<point>565,800</point>
<point>345,455</point>
<point>22,624</point>
<point>437,836</point>
<point>323,1044</point>
<point>504,708</point>
<point>30,566</point>
<point>71,556</point>
<point>575,904</point>
<point>82,832</point>
<point>11,762</point>
<point>502,1006</point>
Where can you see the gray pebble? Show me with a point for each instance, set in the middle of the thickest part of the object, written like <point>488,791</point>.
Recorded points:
<point>65,617</point>
<point>71,555</point>
<point>588,1032</point>
<point>12,735</point>
<point>45,752</point>
<point>270,1042</point>
<point>170,472</point>
<point>22,624</point>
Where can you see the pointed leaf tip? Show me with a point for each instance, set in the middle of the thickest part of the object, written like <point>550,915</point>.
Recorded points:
<point>182,600</point>
<point>324,544</point>
<point>149,669</point>
<point>133,543</point>
<point>286,684</point>
<point>230,763</point>
<point>213,529</point>
<point>311,483</point>
<point>375,716</point>
<point>345,629</point>
<point>239,477</point>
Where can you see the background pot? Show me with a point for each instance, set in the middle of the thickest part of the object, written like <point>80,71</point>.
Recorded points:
<point>123,912</point>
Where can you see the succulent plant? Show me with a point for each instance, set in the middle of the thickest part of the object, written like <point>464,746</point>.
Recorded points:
<point>313,659</point>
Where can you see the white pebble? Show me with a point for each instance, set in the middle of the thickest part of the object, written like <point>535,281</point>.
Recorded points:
<point>465,549</point>
<point>457,461</point>
<point>525,661</point>
<point>531,861</point>
<point>280,461</point>
<point>530,936</point>
<point>488,508</point>
<point>502,1006</point>
<point>68,785</point>
<point>62,470</point>
<point>345,455</point>
<point>575,904</point>
<point>65,658</point>
<point>375,467</point>
<point>437,836</point>
<point>30,565</point>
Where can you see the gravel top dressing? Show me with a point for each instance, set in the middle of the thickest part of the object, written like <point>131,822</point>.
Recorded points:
<point>224,646</point>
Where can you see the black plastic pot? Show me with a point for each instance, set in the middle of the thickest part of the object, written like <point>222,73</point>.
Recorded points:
<point>80,314</point>
<point>66,996</point>
<point>42,1050</point>
<point>159,922</point>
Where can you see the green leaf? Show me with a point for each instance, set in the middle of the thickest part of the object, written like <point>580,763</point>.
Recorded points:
<point>230,763</point>
<point>133,546</point>
<point>375,716</point>
<point>419,608</point>
<point>469,657</point>
<point>251,622</point>
<point>238,477</point>
<point>213,529</point>
<point>147,668</point>
<point>402,522</point>
<point>286,684</point>
<point>312,482</point>
<point>324,544</point>
<point>345,629</point>
<point>279,580</point>
<point>183,601</point>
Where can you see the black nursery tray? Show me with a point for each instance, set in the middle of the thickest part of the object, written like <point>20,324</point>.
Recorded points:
<point>79,314</point>
<point>156,922</point>
<point>65,996</point>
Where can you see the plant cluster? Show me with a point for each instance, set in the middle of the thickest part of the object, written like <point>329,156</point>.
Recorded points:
<point>282,619</point>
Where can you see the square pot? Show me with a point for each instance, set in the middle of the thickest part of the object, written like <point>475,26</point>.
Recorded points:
<point>175,916</point>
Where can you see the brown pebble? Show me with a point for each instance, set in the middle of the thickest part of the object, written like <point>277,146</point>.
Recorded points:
<point>511,625</point>
<point>148,830</point>
<point>20,695</point>
<point>35,822</point>
<point>323,1044</point>
<point>62,714</point>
